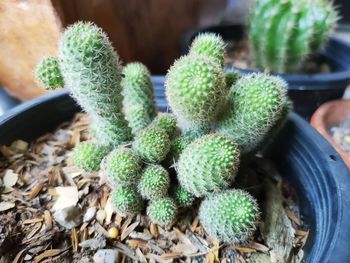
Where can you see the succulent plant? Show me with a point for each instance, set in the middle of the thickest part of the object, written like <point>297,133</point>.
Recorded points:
<point>229,216</point>
<point>123,166</point>
<point>152,144</point>
<point>211,45</point>
<point>138,118</point>
<point>162,211</point>
<point>48,73</point>
<point>127,201</point>
<point>195,87</point>
<point>166,121</point>
<point>255,106</point>
<point>137,89</point>
<point>154,182</point>
<point>182,197</point>
<point>284,33</point>
<point>208,164</point>
<point>88,156</point>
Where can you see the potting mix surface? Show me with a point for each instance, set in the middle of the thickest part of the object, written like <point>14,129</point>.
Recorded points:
<point>51,211</point>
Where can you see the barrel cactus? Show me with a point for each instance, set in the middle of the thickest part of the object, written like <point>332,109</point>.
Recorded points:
<point>166,121</point>
<point>284,33</point>
<point>88,156</point>
<point>256,104</point>
<point>208,164</point>
<point>195,87</point>
<point>229,216</point>
<point>154,182</point>
<point>123,166</point>
<point>211,45</point>
<point>152,144</point>
<point>182,197</point>
<point>162,211</point>
<point>127,201</point>
<point>48,73</point>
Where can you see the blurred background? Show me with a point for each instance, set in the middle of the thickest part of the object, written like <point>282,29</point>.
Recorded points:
<point>149,31</point>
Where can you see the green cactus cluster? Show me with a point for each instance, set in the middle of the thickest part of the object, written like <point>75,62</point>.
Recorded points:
<point>49,73</point>
<point>127,201</point>
<point>88,156</point>
<point>162,211</point>
<point>229,216</point>
<point>284,33</point>
<point>154,182</point>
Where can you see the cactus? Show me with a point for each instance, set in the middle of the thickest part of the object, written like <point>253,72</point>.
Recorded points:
<point>195,87</point>
<point>229,216</point>
<point>182,197</point>
<point>48,73</point>
<point>154,182</point>
<point>138,118</point>
<point>256,104</point>
<point>166,121</point>
<point>88,156</point>
<point>284,33</point>
<point>211,45</point>
<point>162,211</point>
<point>123,166</point>
<point>127,201</point>
<point>137,89</point>
<point>231,78</point>
<point>208,164</point>
<point>152,144</point>
<point>92,72</point>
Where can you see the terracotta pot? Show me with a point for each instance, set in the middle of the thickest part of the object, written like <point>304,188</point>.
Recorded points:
<point>331,114</point>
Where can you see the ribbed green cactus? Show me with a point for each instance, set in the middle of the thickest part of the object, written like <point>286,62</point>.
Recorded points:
<point>256,104</point>
<point>162,211</point>
<point>88,156</point>
<point>195,87</point>
<point>166,121</point>
<point>127,201</point>
<point>229,216</point>
<point>208,164</point>
<point>154,182</point>
<point>92,72</point>
<point>137,89</point>
<point>137,117</point>
<point>284,33</point>
<point>182,197</point>
<point>211,45</point>
<point>123,166</point>
<point>49,74</point>
<point>152,144</point>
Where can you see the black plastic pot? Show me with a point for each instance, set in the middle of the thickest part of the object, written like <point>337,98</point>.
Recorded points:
<point>302,156</point>
<point>307,91</point>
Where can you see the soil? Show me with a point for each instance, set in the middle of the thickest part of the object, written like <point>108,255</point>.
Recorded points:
<point>239,55</point>
<point>51,211</point>
<point>341,134</point>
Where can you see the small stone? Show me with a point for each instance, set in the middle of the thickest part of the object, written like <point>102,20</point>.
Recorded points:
<point>94,243</point>
<point>100,216</point>
<point>113,232</point>
<point>89,214</point>
<point>68,217</point>
<point>106,256</point>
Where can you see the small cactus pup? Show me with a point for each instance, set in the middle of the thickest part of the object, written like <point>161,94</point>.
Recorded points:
<point>166,121</point>
<point>123,166</point>
<point>182,197</point>
<point>154,182</point>
<point>256,103</point>
<point>137,89</point>
<point>195,87</point>
<point>127,201</point>
<point>88,156</point>
<point>211,45</point>
<point>284,33</point>
<point>92,72</point>
<point>48,73</point>
<point>229,216</point>
<point>152,144</point>
<point>208,164</point>
<point>162,211</point>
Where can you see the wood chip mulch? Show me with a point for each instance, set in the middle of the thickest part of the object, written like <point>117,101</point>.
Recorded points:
<point>51,211</point>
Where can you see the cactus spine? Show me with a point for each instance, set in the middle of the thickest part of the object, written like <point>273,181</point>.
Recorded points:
<point>284,33</point>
